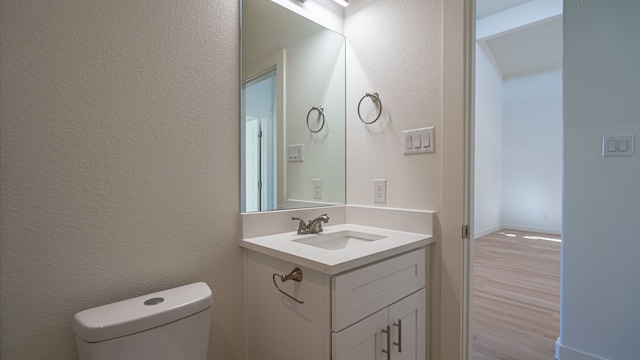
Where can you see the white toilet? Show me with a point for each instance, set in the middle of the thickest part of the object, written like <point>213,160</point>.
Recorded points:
<point>167,325</point>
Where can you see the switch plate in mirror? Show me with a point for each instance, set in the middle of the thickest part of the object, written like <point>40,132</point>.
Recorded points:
<point>296,152</point>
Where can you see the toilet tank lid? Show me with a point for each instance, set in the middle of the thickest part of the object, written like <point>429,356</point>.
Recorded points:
<point>141,313</point>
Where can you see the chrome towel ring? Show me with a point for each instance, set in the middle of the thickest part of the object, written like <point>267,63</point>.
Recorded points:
<point>320,111</point>
<point>295,275</point>
<point>376,100</point>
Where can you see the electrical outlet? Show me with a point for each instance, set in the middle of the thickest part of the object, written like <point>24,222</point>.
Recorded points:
<point>317,188</point>
<point>380,191</point>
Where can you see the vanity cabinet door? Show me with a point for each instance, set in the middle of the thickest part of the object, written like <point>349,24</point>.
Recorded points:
<point>363,340</point>
<point>407,318</point>
<point>366,339</point>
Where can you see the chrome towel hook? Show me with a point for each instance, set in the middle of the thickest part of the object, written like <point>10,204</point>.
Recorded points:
<point>295,275</point>
<point>320,111</point>
<point>376,100</point>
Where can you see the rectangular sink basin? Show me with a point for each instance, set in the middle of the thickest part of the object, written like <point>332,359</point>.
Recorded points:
<point>339,240</point>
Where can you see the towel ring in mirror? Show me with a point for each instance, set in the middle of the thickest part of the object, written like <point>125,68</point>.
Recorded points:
<point>376,100</point>
<point>320,111</point>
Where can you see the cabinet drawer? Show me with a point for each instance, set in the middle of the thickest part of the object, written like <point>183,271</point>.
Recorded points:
<point>362,292</point>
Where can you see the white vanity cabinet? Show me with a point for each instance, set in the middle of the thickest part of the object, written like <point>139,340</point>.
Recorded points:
<point>343,316</point>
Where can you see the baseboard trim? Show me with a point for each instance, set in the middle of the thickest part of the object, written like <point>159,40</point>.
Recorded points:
<point>488,231</point>
<point>567,353</point>
<point>532,229</point>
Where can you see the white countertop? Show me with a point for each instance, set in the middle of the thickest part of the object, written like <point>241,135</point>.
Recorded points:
<point>283,246</point>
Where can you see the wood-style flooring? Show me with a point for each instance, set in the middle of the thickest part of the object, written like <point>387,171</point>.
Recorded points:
<point>516,308</point>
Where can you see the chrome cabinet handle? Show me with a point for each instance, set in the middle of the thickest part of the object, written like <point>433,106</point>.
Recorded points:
<point>388,350</point>
<point>399,343</point>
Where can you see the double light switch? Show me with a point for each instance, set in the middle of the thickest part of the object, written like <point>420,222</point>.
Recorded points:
<point>621,145</point>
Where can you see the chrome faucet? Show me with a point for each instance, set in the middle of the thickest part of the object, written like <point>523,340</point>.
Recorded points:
<point>313,227</point>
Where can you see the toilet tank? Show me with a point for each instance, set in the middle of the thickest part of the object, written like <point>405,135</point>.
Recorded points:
<point>167,325</point>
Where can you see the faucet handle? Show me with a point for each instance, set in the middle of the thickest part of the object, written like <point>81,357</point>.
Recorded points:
<point>302,227</point>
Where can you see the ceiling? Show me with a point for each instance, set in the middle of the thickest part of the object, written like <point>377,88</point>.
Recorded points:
<point>485,8</point>
<point>526,49</point>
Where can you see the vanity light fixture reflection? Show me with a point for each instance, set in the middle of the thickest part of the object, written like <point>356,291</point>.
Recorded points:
<point>344,3</point>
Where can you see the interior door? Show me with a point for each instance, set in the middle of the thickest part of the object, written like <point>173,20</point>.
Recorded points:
<point>259,143</point>
<point>252,165</point>
<point>453,341</point>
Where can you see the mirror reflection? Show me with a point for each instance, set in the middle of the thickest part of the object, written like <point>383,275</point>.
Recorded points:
<point>293,110</point>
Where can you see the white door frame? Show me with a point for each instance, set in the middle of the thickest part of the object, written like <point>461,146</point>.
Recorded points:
<point>456,268</point>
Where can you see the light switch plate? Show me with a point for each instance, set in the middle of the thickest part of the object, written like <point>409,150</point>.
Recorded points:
<point>619,145</point>
<point>295,152</point>
<point>418,141</point>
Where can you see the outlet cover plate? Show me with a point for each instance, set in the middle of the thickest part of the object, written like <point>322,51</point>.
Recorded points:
<point>380,191</point>
<point>317,188</point>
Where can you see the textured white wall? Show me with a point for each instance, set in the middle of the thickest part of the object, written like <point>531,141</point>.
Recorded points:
<point>119,156</point>
<point>532,153</point>
<point>488,146</point>
<point>394,49</point>
<point>600,317</point>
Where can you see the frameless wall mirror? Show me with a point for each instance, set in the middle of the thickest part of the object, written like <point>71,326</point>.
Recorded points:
<point>292,112</point>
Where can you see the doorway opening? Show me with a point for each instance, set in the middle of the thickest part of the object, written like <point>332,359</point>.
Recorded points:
<point>259,143</point>
<point>517,177</point>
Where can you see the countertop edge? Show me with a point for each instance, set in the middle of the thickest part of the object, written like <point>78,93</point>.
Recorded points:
<point>342,266</point>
